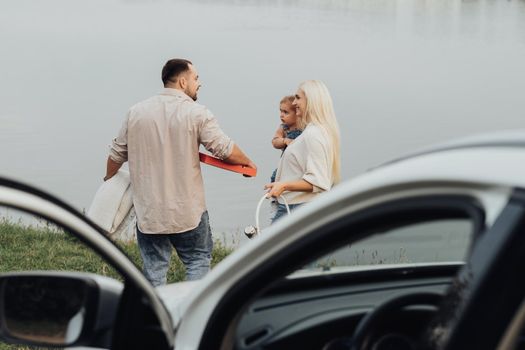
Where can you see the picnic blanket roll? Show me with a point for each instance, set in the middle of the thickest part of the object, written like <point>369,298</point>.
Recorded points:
<point>112,207</point>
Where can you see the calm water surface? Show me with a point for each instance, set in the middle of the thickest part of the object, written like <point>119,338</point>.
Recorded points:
<point>403,74</point>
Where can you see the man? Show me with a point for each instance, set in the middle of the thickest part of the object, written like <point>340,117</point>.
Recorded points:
<point>160,139</point>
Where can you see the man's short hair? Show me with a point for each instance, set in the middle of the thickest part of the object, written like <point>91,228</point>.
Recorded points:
<point>173,68</point>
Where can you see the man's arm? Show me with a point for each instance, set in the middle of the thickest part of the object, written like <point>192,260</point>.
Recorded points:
<point>238,157</point>
<point>215,141</point>
<point>111,168</point>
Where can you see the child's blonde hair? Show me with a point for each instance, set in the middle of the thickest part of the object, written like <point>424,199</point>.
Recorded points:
<point>287,98</point>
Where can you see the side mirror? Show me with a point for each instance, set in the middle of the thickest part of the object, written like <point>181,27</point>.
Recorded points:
<point>50,309</point>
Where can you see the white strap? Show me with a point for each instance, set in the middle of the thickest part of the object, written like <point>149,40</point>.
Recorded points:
<point>257,227</point>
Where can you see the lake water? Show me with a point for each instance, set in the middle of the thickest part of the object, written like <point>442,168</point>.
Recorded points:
<point>402,74</point>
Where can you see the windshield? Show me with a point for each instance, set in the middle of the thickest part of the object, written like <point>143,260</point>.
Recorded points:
<point>435,241</point>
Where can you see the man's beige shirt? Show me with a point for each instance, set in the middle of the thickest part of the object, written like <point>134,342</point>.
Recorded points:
<point>160,139</point>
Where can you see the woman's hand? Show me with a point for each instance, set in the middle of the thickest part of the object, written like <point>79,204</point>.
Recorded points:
<point>275,189</point>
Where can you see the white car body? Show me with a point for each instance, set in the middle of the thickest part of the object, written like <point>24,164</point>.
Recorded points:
<point>486,168</point>
<point>476,166</point>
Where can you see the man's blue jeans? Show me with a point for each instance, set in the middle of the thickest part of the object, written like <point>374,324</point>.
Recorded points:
<point>193,247</point>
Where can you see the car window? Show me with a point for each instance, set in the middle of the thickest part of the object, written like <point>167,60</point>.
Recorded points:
<point>434,241</point>
<point>29,242</point>
<point>433,229</point>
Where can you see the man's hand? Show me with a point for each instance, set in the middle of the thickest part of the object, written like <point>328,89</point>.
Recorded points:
<point>238,157</point>
<point>111,169</point>
<point>250,165</point>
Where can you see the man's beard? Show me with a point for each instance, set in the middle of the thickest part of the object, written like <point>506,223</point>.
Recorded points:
<point>193,96</point>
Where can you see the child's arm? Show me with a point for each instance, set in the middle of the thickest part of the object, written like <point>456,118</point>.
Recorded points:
<point>279,141</point>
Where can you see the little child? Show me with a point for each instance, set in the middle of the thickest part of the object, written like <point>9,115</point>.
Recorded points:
<point>290,128</point>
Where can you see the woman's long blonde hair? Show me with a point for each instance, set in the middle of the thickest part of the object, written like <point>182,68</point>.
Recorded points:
<point>320,112</point>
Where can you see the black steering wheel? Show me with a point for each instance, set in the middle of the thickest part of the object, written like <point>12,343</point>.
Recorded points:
<point>362,339</point>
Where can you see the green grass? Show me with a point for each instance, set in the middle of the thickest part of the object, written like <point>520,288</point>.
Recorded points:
<point>47,248</point>
<point>44,247</point>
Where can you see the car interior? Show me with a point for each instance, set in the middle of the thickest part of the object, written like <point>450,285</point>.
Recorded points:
<point>57,291</point>
<point>352,285</point>
<point>323,304</point>
<point>326,302</point>
<point>406,297</point>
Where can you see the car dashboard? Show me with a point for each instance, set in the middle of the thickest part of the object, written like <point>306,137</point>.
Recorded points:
<point>323,311</point>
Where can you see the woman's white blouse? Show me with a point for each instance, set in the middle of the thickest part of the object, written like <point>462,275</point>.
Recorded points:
<point>307,158</point>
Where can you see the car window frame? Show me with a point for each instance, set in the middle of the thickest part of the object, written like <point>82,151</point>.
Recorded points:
<point>26,199</point>
<point>222,321</point>
<point>490,286</point>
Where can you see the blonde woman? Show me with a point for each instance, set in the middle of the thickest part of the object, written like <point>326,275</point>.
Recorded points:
<point>310,165</point>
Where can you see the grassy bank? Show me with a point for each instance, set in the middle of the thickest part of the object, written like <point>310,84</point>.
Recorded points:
<point>24,247</point>
<point>47,248</point>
